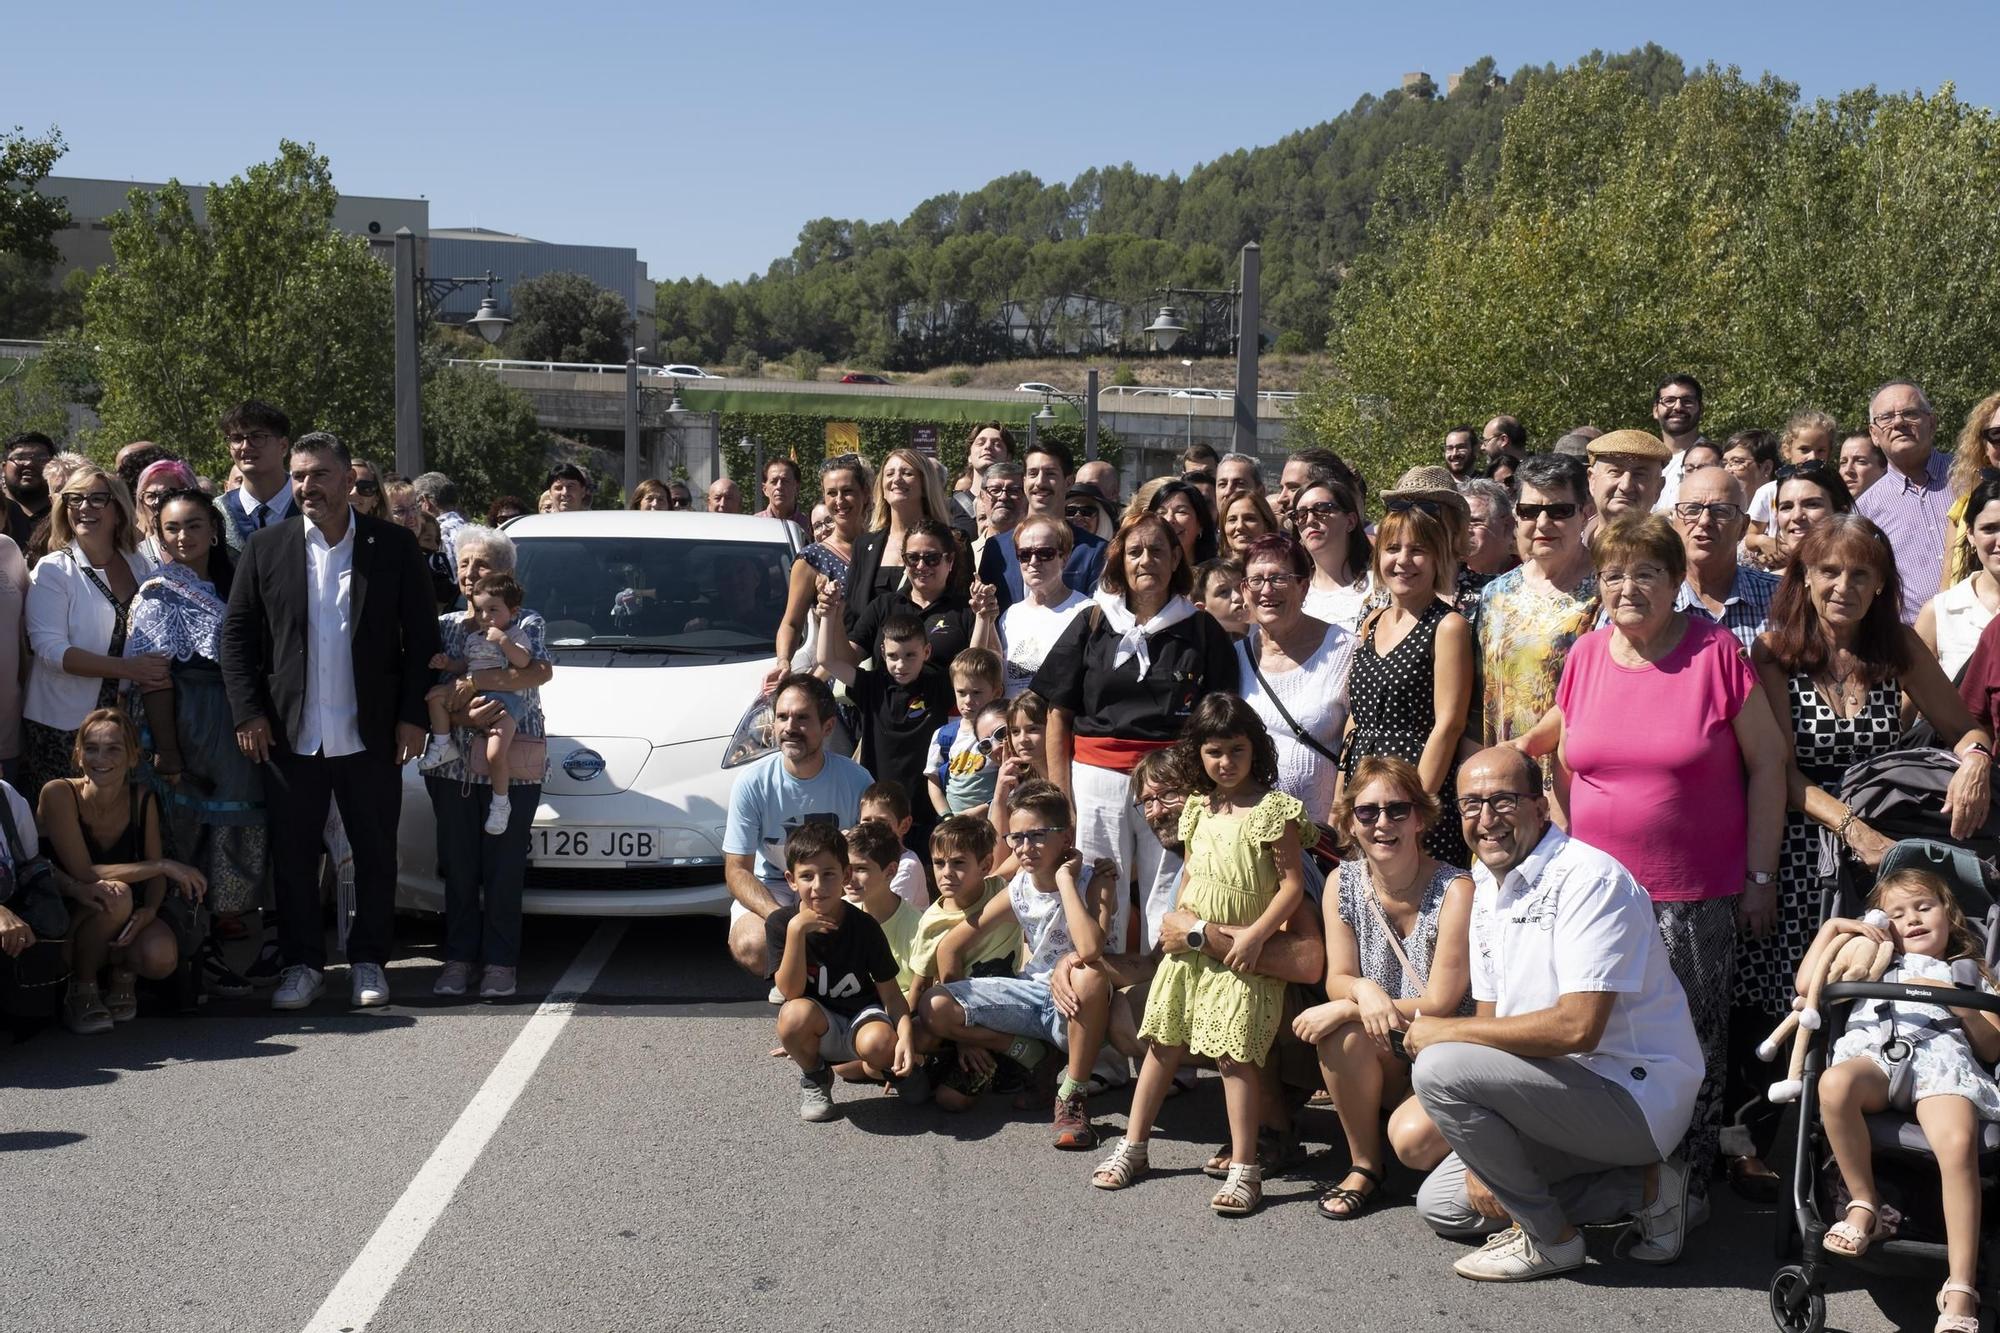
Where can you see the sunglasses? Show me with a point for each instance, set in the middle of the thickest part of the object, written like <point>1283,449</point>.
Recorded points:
<point>1316,513</point>
<point>924,559</point>
<point>678,502</point>
<point>367,487</point>
<point>1034,555</point>
<point>1991,435</point>
<point>988,744</point>
<point>1393,811</point>
<point>1082,511</point>
<point>1398,504</point>
<point>1559,512</point>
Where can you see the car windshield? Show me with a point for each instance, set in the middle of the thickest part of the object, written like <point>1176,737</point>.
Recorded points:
<point>709,597</point>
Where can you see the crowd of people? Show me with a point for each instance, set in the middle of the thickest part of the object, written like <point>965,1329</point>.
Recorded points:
<point>1497,821</point>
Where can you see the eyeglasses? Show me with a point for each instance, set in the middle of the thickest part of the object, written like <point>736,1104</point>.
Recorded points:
<point>1991,435</point>
<point>1003,492</point>
<point>1502,803</point>
<point>94,500</point>
<point>25,460</point>
<point>1681,401</point>
<point>1400,504</point>
<point>924,559</point>
<point>677,501</point>
<point>1648,575</point>
<point>1909,415</point>
<point>1034,555</point>
<point>1561,512</point>
<point>367,487</point>
<point>154,499</point>
<point>1160,801</point>
<point>1315,514</point>
<point>1275,582</point>
<point>255,438</point>
<point>1720,511</point>
<point>1028,837</point>
<point>1393,811</point>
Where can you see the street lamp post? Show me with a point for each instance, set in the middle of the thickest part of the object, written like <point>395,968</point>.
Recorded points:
<point>417,298</point>
<point>1086,406</point>
<point>1245,312</point>
<point>636,398</point>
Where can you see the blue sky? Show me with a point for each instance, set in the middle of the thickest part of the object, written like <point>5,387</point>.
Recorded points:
<point>705,140</point>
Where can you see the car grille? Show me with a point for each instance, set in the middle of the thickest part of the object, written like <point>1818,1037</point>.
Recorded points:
<point>622,879</point>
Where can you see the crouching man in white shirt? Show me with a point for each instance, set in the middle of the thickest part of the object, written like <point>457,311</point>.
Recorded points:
<point>1563,1096</point>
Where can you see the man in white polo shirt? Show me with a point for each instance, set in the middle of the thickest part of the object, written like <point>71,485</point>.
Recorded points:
<point>1564,1094</point>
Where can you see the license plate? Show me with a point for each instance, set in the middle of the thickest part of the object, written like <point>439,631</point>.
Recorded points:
<point>593,846</point>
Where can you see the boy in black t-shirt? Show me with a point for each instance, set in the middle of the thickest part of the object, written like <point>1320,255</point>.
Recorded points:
<point>836,972</point>
<point>902,705</point>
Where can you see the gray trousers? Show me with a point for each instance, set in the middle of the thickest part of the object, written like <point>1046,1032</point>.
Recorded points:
<point>1555,1143</point>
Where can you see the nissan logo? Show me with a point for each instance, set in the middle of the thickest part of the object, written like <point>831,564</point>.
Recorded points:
<point>583,765</point>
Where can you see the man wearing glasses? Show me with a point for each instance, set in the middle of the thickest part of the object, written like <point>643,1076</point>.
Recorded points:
<point>1565,1093</point>
<point>27,492</point>
<point>1710,519</point>
<point>1911,501</point>
<point>1677,407</point>
<point>259,437</point>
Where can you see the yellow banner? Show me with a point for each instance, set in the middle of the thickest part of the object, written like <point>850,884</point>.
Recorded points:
<point>843,437</point>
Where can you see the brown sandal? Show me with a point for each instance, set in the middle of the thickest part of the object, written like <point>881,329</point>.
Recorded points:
<point>121,1000</point>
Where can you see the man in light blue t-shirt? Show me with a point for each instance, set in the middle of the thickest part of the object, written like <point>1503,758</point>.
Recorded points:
<point>800,784</point>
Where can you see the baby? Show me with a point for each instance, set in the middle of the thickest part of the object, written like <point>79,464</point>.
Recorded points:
<point>490,645</point>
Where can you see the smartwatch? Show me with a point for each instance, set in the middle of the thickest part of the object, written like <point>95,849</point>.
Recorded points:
<point>1197,936</point>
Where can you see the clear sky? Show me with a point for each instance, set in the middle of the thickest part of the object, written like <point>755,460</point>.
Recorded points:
<point>706,139</point>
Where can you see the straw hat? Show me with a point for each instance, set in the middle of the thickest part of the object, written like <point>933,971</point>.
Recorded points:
<point>1632,444</point>
<point>1429,483</point>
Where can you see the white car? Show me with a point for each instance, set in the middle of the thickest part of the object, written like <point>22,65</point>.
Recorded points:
<point>662,626</point>
<point>1036,386</point>
<point>686,373</point>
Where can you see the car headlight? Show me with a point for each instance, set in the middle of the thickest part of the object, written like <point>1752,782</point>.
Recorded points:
<point>756,736</point>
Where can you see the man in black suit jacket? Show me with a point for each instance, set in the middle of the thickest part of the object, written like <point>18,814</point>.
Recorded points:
<point>326,654</point>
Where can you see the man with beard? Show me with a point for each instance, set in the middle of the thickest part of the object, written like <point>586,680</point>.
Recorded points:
<point>1677,405</point>
<point>800,784</point>
<point>27,493</point>
<point>1461,452</point>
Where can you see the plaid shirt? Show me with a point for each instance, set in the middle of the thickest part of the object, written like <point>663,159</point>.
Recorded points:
<point>1745,612</point>
<point>1912,515</point>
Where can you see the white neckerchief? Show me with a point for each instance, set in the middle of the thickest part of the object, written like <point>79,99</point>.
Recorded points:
<point>1131,634</point>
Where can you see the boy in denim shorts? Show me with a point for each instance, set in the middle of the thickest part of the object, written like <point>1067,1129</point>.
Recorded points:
<point>1051,898</point>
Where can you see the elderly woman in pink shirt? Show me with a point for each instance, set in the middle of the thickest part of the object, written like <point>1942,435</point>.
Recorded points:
<point>1674,765</point>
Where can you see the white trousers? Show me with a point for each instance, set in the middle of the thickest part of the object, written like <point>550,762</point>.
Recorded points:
<point>1109,823</point>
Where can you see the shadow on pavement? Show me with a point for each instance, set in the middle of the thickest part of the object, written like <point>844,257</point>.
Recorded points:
<point>33,1140</point>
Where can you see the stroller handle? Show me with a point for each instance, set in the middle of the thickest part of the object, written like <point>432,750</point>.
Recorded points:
<point>1959,998</point>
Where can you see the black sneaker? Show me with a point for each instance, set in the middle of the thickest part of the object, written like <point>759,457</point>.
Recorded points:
<point>217,976</point>
<point>270,965</point>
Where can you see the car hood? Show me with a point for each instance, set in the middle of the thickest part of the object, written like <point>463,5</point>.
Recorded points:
<point>660,705</point>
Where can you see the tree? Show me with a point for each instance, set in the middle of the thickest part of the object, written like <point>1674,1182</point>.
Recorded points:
<point>29,219</point>
<point>482,434</point>
<point>567,317</point>
<point>266,300</point>
<point>31,305</point>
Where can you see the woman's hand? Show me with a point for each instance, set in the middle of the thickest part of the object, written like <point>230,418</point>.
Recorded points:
<point>1871,846</point>
<point>142,917</point>
<point>150,672</point>
<point>1247,949</point>
<point>102,895</point>
<point>1379,1015</point>
<point>1757,909</point>
<point>439,662</point>
<point>985,601</point>
<point>191,883</point>
<point>1970,794</point>
<point>15,934</point>
<point>1316,1024</point>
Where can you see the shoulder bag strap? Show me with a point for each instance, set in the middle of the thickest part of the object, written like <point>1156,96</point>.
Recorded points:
<point>1388,928</point>
<point>13,833</point>
<point>1306,738</point>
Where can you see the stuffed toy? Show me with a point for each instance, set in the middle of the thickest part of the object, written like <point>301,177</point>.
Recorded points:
<point>1843,955</point>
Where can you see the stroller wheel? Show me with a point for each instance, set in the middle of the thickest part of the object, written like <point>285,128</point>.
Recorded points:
<point>1796,1306</point>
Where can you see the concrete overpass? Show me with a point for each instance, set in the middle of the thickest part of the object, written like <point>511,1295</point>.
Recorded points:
<point>1154,425</point>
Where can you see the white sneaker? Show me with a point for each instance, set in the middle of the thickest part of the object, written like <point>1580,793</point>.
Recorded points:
<point>1659,1230</point>
<point>298,986</point>
<point>1513,1256</point>
<point>497,815</point>
<point>371,988</point>
<point>440,751</point>
<point>775,996</point>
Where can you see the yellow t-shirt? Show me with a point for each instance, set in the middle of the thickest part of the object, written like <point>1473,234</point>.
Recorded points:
<point>901,928</point>
<point>941,916</point>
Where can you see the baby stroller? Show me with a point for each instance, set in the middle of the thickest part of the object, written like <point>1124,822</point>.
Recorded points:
<point>1905,1170</point>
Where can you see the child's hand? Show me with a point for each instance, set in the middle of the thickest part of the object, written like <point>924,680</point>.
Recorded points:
<point>809,922</point>
<point>439,662</point>
<point>975,1061</point>
<point>494,634</point>
<point>1246,951</point>
<point>1105,869</point>
<point>984,600</point>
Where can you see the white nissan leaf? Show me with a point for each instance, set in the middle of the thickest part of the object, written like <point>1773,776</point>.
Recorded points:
<point>662,625</point>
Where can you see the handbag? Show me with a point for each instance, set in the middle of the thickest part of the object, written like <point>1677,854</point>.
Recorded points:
<point>1306,738</point>
<point>36,899</point>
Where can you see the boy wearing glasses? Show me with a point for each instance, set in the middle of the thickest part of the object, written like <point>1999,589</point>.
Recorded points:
<point>259,437</point>
<point>1051,900</point>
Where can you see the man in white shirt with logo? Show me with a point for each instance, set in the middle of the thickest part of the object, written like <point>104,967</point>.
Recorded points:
<point>1564,1095</point>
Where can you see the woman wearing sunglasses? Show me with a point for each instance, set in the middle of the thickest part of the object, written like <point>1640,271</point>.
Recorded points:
<point>367,497</point>
<point>843,489</point>
<point>1396,946</point>
<point>936,594</point>
<point>1978,454</point>
<point>1329,526</point>
<point>1031,626</point>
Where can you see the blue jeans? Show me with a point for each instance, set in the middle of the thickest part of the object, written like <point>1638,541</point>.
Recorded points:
<point>1015,1005</point>
<point>482,875</point>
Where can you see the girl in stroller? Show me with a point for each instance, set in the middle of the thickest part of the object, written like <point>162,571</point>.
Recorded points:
<point>1929,1059</point>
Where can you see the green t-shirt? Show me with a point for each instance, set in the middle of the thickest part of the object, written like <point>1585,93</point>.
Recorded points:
<point>941,916</point>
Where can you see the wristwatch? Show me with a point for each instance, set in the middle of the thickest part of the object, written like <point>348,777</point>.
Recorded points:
<point>1197,936</point>
<point>1761,878</point>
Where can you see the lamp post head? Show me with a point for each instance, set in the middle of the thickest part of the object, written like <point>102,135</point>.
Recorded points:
<point>1166,328</point>
<point>488,321</point>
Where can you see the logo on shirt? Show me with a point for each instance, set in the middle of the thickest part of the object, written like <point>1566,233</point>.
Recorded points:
<point>916,710</point>
<point>849,984</point>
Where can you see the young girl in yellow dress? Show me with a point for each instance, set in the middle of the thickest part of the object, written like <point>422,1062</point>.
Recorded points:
<point>1243,844</point>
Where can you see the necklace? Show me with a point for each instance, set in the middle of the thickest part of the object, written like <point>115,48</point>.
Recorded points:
<point>1850,690</point>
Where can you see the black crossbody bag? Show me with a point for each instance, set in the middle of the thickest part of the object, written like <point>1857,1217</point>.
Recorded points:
<point>36,899</point>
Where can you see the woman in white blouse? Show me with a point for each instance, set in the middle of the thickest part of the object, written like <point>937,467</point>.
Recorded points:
<point>78,597</point>
<point>1951,622</point>
<point>1294,670</point>
<point>1031,626</point>
<point>1330,528</point>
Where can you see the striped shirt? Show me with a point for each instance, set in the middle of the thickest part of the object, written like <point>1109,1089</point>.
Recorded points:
<point>1912,515</point>
<point>1746,611</point>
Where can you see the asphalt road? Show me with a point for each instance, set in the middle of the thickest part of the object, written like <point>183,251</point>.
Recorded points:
<point>235,1170</point>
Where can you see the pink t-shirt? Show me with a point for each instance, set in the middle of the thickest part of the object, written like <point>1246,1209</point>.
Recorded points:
<point>1658,778</point>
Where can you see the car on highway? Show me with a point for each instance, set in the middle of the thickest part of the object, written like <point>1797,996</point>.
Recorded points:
<point>661,625</point>
<point>862,377</point>
<point>1192,392</point>
<point>1036,386</point>
<point>685,373</point>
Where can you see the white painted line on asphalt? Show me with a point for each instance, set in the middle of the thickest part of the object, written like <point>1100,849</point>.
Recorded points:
<point>361,1290</point>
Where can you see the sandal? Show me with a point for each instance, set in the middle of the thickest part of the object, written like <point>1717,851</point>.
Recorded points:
<point>1956,1323</point>
<point>1126,1164</point>
<point>121,999</point>
<point>1853,1241</point>
<point>1242,1191</point>
<point>1356,1202</point>
<point>1274,1153</point>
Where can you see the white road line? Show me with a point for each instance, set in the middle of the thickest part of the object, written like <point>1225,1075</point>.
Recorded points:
<point>361,1290</point>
